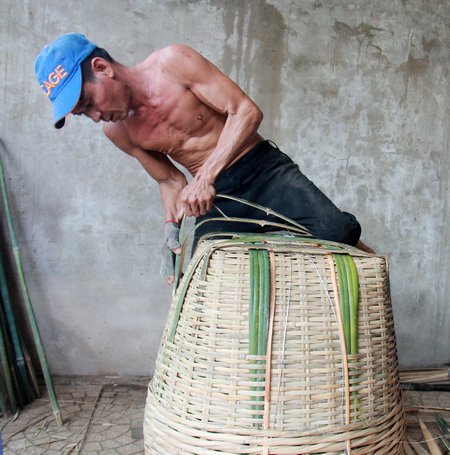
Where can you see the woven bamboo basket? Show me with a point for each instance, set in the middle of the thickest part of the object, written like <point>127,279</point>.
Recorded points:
<point>266,351</point>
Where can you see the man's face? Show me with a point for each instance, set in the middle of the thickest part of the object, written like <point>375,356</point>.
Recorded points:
<point>103,99</point>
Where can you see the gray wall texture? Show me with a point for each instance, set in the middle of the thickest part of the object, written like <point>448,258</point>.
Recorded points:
<point>356,91</point>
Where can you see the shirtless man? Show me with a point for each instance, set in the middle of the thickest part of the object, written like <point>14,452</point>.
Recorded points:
<point>177,104</point>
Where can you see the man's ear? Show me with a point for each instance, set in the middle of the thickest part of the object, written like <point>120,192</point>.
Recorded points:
<point>101,66</point>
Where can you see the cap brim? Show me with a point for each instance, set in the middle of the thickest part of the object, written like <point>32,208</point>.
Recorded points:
<point>67,99</point>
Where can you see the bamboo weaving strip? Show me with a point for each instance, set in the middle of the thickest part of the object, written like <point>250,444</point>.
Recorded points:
<point>269,342</point>
<point>342,339</point>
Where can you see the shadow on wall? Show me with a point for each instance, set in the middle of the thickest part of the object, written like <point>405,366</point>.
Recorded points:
<point>256,46</point>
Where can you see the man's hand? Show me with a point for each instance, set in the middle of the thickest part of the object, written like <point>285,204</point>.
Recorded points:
<point>197,197</point>
<point>171,245</point>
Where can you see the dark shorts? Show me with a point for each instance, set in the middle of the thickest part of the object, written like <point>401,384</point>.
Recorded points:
<point>268,177</point>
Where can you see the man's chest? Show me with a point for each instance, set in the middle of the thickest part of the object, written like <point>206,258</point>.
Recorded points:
<point>169,119</point>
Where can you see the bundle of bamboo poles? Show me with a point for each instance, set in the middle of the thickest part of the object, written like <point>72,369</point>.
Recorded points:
<point>277,345</point>
<point>15,389</point>
<point>18,384</point>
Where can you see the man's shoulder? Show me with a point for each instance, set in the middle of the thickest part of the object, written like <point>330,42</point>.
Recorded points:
<point>175,48</point>
<point>162,56</point>
<point>172,52</point>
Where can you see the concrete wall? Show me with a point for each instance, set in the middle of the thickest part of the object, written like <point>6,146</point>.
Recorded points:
<point>355,91</point>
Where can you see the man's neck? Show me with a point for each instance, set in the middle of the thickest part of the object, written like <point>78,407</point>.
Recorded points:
<point>138,88</point>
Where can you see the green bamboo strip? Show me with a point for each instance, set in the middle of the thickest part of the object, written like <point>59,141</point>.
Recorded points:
<point>27,301</point>
<point>333,269</point>
<point>348,292</point>
<point>344,299</point>
<point>352,284</point>
<point>352,280</point>
<point>264,303</point>
<point>259,313</point>
<point>264,298</point>
<point>253,315</point>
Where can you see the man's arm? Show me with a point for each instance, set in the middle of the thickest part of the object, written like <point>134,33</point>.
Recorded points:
<point>243,117</point>
<point>171,180</point>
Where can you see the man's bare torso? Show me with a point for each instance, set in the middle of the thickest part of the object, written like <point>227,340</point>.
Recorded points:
<point>172,120</point>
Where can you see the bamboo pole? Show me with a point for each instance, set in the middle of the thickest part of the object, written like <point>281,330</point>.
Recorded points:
<point>5,364</point>
<point>14,334</point>
<point>27,301</point>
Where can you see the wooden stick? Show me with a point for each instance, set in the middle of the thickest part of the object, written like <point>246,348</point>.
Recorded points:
<point>429,439</point>
<point>269,341</point>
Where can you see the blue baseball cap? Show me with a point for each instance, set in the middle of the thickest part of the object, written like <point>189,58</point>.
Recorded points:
<point>58,71</point>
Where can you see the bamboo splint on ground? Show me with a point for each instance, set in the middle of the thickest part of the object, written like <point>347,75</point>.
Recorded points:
<point>426,376</point>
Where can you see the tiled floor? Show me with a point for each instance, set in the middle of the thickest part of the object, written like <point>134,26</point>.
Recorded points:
<point>100,416</point>
<point>103,416</point>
